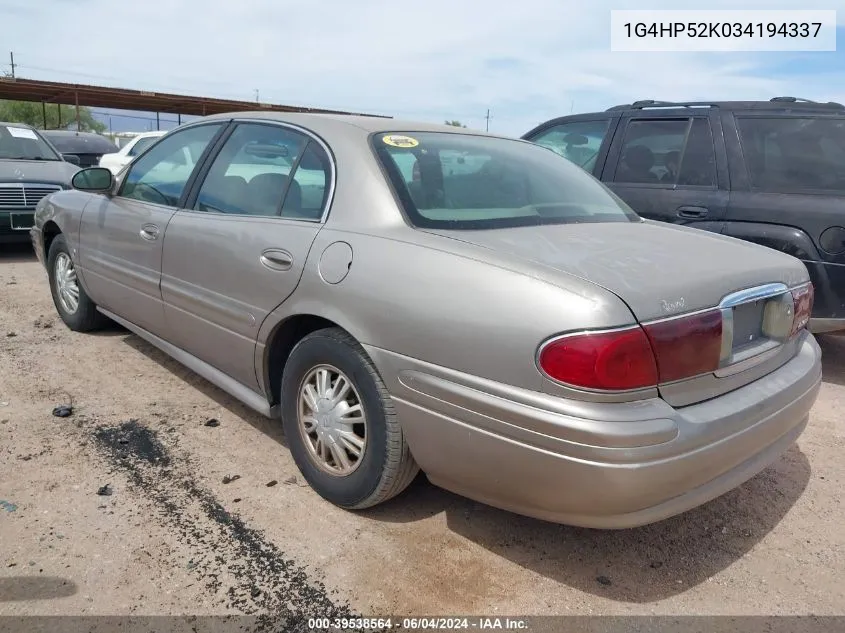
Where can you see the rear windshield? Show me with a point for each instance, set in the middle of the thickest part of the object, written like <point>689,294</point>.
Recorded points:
<point>790,154</point>
<point>461,181</point>
<point>23,143</point>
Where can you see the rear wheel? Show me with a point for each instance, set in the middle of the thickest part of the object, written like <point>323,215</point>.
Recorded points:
<point>340,423</point>
<point>77,311</point>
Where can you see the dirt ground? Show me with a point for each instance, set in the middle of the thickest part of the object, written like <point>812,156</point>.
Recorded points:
<point>173,537</point>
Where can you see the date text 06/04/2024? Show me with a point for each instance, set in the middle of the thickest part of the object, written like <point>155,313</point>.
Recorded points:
<point>418,624</point>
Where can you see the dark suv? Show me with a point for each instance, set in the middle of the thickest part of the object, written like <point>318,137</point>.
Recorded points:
<point>770,172</point>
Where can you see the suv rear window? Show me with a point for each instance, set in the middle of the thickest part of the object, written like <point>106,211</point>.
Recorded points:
<point>789,154</point>
<point>464,181</point>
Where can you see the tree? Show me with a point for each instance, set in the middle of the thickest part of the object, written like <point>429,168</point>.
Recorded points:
<point>454,123</point>
<point>32,113</point>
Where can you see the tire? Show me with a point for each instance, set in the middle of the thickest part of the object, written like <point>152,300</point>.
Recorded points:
<point>84,318</point>
<point>386,466</point>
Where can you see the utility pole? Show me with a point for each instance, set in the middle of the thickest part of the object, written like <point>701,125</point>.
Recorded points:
<point>256,96</point>
<point>488,119</point>
<point>12,57</point>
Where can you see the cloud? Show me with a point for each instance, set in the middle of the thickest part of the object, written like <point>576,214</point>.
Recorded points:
<point>440,59</point>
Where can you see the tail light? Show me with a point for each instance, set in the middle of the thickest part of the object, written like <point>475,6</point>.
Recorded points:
<point>645,356</point>
<point>687,346</point>
<point>617,360</point>
<point>802,302</point>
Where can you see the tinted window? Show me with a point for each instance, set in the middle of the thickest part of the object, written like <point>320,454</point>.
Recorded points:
<point>18,142</point>
<point>462,181</point>
<point>669,152</point>
<point>579,141</point>
<point>141,144</point>
<point>793,154</point>
<point>160,175</point>
<point>251,174</point>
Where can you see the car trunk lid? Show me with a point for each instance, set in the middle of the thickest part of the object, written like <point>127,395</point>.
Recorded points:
<point>661,271</point>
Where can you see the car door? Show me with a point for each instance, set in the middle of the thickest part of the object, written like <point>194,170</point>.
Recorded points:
<point>238,251</point>
<point>121,235</point>
<point>582,139</point>
<point>671,168</point>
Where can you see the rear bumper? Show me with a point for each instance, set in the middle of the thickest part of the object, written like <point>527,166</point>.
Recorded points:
<point>599,465</point>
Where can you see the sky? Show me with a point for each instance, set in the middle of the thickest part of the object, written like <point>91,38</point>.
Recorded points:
<point>526,61</point>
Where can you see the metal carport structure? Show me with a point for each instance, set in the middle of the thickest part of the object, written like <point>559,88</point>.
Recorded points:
<point>52,92</point>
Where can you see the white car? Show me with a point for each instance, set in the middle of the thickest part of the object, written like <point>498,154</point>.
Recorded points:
<point>118,160</point>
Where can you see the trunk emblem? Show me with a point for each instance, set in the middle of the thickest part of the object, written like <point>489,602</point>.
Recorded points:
<point>673,306</point>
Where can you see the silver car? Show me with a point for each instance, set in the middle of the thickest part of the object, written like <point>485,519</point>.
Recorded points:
<point>407,296</point>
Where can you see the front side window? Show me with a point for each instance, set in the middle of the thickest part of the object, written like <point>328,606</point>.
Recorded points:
<point>266,170</point>
<point>668,152</point>
<point>578,141</point>
<point>160,175</point>
<point>23,143</point>
<point>789,154</point>
<point>463,181</point>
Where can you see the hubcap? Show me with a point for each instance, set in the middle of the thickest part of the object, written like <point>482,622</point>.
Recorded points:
<point>66,284</point>
<point>332,420</point>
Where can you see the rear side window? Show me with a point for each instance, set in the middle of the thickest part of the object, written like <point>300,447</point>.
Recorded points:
<point>789,154</point>
<point>577,141</point>
<point>463,181</point>
<point>668,152</point>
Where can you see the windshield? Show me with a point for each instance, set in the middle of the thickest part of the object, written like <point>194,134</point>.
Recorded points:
<point>143,143</point>
<point>461,181</point>
<point>789,154</point>
<point>23,143</point>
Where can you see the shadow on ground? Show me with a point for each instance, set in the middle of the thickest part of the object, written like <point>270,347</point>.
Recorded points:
<point>833,358</point>
<point>18,588</point>
<point>636,565</point>
<point>16,254</point>
<point>643,564</point>
<point>271,428</point>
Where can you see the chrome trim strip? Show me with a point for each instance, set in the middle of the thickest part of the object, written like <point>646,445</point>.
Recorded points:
<point>752,294</point>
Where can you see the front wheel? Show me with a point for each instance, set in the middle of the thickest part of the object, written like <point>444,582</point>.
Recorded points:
<point>77,311</point>
<point>340,423</point>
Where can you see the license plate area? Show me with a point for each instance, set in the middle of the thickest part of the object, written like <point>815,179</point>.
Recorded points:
<point>21,221</point>
<point>755,324</point>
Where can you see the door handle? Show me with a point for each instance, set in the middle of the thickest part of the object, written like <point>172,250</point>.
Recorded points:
<point>276,259</point>
<point>149,232</point>
<point>693,212</point>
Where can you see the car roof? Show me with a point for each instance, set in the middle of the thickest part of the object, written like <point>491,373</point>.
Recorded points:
<point>369,124</point>
<point>775,103</point>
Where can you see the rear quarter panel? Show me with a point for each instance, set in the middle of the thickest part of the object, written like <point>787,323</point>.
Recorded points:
<point>405,295</point>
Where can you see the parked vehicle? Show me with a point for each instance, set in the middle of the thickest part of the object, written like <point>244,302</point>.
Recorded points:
<point>30,168</point>
<point>86,147</point>
<point>510,330</point>
<point>770,172</point>
<point>135,146</point>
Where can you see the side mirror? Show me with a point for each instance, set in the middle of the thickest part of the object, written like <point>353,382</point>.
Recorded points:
<point>93,179</point>
<point>71,158</point>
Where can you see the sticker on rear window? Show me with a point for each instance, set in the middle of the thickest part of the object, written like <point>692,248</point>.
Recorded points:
<point>398,140</point>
